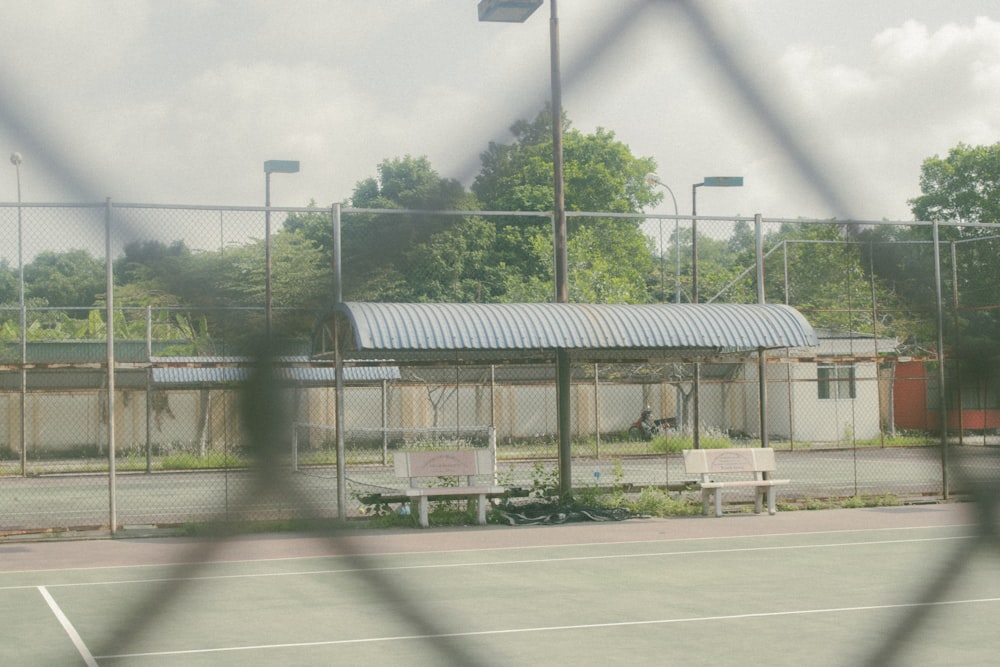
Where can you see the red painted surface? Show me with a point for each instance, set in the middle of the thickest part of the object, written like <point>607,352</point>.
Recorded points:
<point>910,397</point>
<point>910,404</point>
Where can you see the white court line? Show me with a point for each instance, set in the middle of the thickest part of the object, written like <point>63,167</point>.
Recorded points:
<point>520,547</point>
<point>68,627</point>
<point>552,628</point>
<point>499,563</point>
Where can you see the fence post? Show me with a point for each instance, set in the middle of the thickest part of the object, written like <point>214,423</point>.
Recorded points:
<point>149,389</point>
<point>492,445</point>
<point>109,328</point>
<point>341,446</point>
<point>940,355</point>
<point>338,278</point>
<point>597,410</point>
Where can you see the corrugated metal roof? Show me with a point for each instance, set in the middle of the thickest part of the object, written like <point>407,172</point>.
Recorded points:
<point>197,371</point>
<point>392,327</point>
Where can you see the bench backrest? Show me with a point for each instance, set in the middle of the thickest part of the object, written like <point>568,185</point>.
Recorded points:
<point>443,463</point>
<point>709,461</point>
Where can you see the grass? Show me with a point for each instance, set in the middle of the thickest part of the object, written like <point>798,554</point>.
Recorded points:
<point>209,460</point>
<point>649,502</point>
<point>86,459</point>
<point>900,440</point>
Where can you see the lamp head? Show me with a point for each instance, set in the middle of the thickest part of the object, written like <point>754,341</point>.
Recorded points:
<point>15,159</point>
<point>723,182</point>
<point>507,11</point>
<point>653,179</point>
<point>281,166</point>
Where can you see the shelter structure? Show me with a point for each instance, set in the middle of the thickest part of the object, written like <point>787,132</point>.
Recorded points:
<point>552,333</point>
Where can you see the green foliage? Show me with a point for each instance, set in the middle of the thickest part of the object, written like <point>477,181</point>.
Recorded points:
<point>206,461</point>
<point>873,280</point>
<point>417,257</point>
<point>609,497</point>
<point>964,186</point>
<point>609,259</point>
<point>544,480</point>
<point>71,279</point>
<point>658,502</point>
<point>853,502</point>
<point>678,442</point>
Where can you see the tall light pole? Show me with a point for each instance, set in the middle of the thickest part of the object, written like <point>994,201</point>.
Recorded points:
<point>518,11</point>
<point>16,160</point>
<point>271,167</point>
<point>653,179</point>
<point>708,182</point>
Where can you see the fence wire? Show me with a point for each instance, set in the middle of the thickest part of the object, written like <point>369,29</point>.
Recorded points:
<point>180,395</point>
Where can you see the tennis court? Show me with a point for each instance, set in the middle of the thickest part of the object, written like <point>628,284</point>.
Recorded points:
<point>818,588</point>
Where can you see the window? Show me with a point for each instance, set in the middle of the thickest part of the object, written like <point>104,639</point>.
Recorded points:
<point>837,381</point>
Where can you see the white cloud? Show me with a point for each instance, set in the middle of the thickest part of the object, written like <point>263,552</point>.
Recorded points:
<point>182,101</point>
<point>919,92</point>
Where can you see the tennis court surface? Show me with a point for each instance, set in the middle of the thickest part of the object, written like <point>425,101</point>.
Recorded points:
<point>832,587</point>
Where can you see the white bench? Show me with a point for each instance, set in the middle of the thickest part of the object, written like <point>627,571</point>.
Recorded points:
<point>464,464</point>
<point>719,469</point>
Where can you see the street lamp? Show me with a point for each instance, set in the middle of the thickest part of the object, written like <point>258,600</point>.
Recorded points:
<point>653,179</point>
<point>708,182</point>
<point>507,11</point>
<point>271,167</point>
<point>518,11</point>
<point>16,160</point>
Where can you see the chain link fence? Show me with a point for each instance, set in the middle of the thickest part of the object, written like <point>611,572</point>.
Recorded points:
<point>860,415</point>
<point>126,406</point>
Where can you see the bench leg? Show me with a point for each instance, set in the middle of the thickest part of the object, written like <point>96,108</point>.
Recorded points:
<point>758,499</point>
<point>422,512</point>
<point>716,495</point>
<point>771,505</point>
<point>481,509</point>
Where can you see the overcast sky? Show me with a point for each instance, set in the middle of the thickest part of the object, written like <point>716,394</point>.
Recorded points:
<point>181,101</point>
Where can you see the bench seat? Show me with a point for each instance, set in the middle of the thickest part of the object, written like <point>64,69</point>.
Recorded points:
<point>709,464</point>
<point>465,465</point>
<point>480,493</point>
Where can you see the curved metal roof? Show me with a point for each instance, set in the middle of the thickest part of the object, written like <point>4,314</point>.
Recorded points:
<point>399,327</point>
<point>212,371</point>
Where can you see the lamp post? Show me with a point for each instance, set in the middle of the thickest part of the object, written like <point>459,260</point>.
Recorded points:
<point>518,11</point>
<point>16,160</point>
<point>708,182</point>
<point>271,167</point>
<point>653,179</point>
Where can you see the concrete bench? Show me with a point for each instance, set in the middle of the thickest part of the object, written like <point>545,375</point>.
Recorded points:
<point>464,464</point>
<point>720,469</point>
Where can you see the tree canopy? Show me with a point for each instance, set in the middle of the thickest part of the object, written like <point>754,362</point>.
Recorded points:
<point>965,187</point>
<point>610,259</point>
<point>962,187</point>
<point>434,249</point>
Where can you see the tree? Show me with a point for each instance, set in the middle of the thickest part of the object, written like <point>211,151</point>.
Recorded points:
<point>963,187</point>
<point>71,279</point>
<point>417,256</point>
<point>153,263</point>
<point>610,259</point>
<point>8,283</point>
